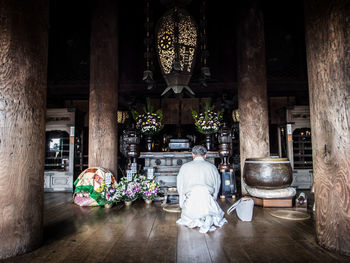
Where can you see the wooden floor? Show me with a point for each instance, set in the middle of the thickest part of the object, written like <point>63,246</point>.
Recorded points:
<point>143,233</point>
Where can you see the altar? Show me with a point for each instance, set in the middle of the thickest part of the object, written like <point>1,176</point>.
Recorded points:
<point>166,165</point>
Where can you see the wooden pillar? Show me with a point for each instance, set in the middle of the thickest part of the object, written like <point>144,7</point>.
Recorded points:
<point>252,92</point>
<point>103,102</point>
<point>23,74</point>
<point>328,61</point>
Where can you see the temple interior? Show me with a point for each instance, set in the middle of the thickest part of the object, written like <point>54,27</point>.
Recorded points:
<point>101,92</point>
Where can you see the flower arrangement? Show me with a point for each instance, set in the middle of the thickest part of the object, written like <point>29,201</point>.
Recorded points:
<point>149,122</point>
<point>209,121</point>
<point>130,190</point>
<point>110,194</point>
<point>149,189</point>
<point>108,191</point>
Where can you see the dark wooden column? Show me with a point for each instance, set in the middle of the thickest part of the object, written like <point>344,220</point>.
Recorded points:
<point>328,60</point>
<point>252,93</point>
<point>23,74</point>
<point>103,138</point>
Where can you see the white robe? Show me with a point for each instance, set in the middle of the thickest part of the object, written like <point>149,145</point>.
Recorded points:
<point>198,184</point>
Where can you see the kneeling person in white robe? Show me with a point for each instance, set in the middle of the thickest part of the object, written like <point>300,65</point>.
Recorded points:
<point>198,184</point>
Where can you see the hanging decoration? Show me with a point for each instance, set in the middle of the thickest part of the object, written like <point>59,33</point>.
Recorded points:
<point>122,116</point>
<point>205,70</point>
<point>148,73</point>
<point>176,48</point>
<point>235,115</point>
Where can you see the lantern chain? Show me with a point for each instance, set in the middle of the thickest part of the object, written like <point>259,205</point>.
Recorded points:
<point>205,70</point>
<point>148,55</point>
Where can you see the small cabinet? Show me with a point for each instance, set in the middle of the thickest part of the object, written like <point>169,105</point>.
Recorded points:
<point>302,148</point>
<point>57,150</point>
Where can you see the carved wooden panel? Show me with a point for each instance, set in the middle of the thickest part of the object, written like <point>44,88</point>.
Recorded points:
<point>187,105</point>
<point>171,110</point>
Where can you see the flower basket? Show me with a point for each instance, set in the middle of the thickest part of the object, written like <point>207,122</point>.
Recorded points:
<point>149,189</point>
<point>128,203</point>
<point>110,194</point>
<point>209,121</point>
<point>149,122</point>
<point>130,190</point>
<point>148,201</point>
<point>108,205</point>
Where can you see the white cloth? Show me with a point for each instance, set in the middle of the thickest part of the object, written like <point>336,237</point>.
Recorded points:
<point>198,184</point>
<point>271,193</point>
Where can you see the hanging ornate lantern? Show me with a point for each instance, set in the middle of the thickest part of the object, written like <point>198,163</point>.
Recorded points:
<point>176,48</point>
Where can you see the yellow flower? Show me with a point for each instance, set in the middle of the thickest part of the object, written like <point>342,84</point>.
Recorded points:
<point>152,186</point>
<point>100,189</point>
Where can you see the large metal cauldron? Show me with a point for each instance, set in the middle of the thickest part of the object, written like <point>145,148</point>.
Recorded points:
<point>268,173</point>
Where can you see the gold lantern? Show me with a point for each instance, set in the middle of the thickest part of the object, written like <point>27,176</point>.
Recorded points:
<point>122,116</point>
<point>176,48</point>
<point>235,115</point>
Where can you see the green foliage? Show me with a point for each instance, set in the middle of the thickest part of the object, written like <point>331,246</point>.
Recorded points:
<point>134,114</point>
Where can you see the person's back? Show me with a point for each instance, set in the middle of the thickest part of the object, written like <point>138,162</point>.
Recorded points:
<point>199,172</point>
<point>198,183</point>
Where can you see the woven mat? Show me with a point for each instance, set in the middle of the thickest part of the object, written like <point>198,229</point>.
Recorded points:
<point>172,208</point>
<point>290,214</point>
